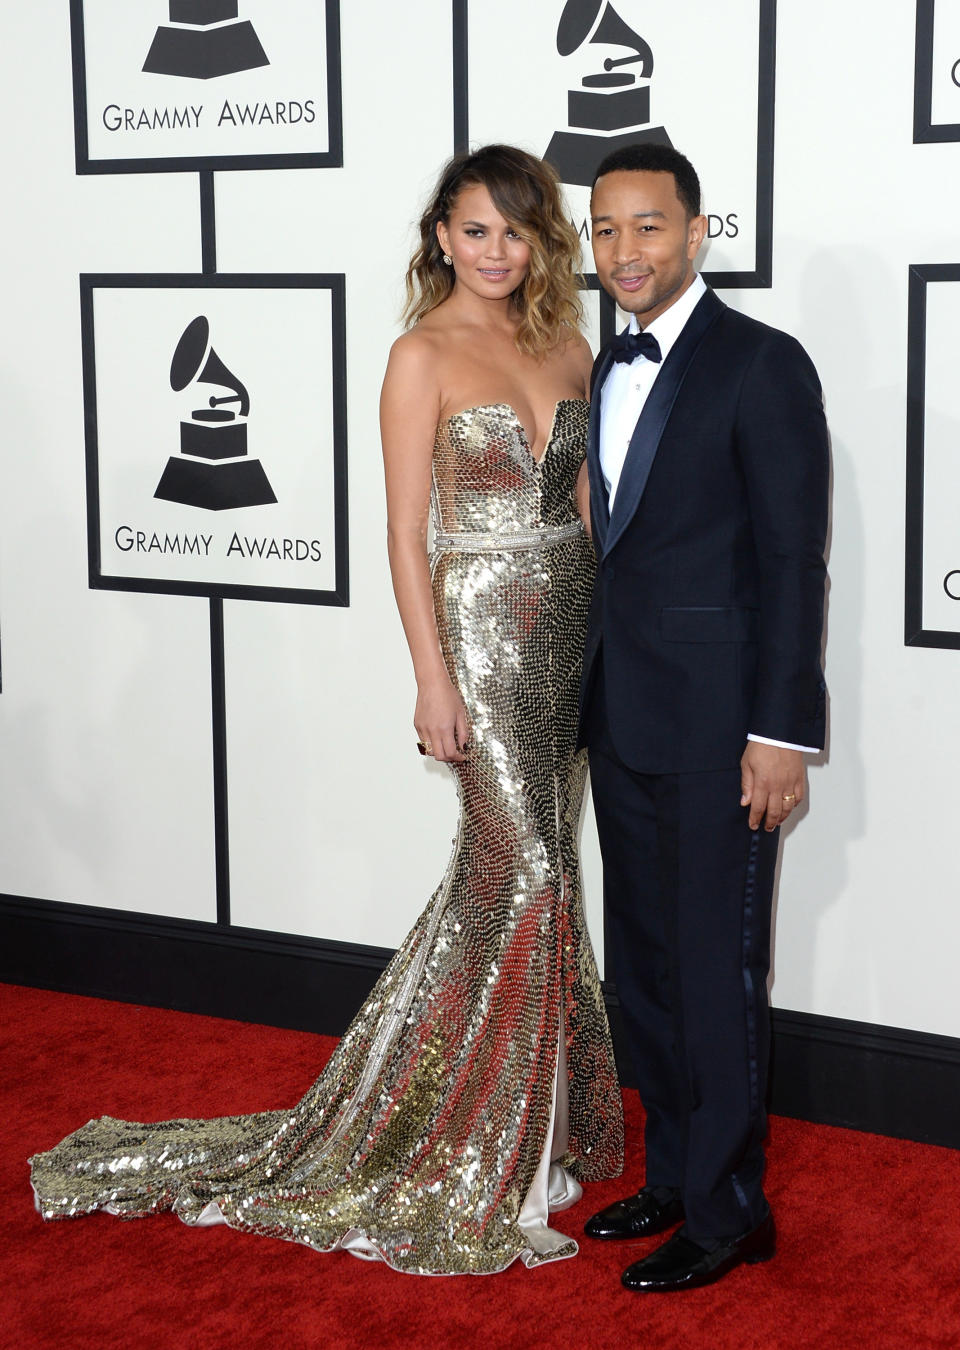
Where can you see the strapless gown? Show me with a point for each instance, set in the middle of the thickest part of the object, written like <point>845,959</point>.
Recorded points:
<point>477,1082</point>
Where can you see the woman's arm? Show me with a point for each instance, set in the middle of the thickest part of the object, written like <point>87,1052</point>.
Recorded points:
<point>583,498</point>
<point>409,412</point>
<point>584,359</point>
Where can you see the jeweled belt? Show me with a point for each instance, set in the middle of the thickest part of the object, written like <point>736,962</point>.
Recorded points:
<point>476,541</point>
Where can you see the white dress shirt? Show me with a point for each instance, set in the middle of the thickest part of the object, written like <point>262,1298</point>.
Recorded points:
<point>623,394</point>
<point>627,385</point>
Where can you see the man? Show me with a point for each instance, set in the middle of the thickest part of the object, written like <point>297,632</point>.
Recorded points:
<point>702,689</point>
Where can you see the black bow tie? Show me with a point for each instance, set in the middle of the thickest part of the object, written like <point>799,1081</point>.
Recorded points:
<point>628,346</point>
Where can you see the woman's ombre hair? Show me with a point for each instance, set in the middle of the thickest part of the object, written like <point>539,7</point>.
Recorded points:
<point>526,192</point>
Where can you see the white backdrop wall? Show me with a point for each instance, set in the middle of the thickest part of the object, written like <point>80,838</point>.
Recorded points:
<point>337,828</point>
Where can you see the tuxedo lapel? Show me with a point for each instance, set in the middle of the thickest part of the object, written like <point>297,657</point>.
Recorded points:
<point>656,410</point>
<point>599,509</point>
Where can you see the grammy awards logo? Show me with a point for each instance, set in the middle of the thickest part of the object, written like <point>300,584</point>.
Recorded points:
<point>212,470</point>
<point>209,40</point>
<point>612,106</point>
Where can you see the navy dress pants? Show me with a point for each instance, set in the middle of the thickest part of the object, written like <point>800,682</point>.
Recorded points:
<point>687,890</point>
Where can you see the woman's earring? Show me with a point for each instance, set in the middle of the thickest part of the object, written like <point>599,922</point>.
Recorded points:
<point>448,260</point>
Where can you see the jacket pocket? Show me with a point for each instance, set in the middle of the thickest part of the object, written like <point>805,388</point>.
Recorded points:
<point>708,624</point>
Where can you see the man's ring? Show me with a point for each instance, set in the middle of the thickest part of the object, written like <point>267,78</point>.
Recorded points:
<point>425,747</point>
<point>789,796</point>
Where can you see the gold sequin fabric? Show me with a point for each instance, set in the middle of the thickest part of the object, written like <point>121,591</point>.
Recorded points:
<point>423,1135</point>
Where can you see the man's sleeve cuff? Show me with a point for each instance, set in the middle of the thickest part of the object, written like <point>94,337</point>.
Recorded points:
<point>784,745</point>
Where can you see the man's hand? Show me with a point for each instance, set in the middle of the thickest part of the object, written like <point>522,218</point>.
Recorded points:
<point>773,781</point>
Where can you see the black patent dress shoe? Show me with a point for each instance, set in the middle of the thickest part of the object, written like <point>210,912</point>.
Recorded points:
<point>636,1216</point>
<point>681,1263</point>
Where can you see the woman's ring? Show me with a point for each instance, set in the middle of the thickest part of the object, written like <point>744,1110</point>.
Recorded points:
<point>425,747</point>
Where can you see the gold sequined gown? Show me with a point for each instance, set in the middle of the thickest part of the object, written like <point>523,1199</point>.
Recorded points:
<point>477,1081</point>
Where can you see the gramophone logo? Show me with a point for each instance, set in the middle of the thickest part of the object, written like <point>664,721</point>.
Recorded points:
<point>611,107</point>
<point>212,470</point>
<point>204,39</point>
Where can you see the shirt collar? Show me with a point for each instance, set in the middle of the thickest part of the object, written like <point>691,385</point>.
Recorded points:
<point>668,327</point>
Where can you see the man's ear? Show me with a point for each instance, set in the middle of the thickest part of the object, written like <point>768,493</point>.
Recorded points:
<point>696,233</point>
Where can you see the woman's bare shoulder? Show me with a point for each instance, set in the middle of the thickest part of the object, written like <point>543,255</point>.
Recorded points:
<point>577,359</point>
<point>579,350</point>
<point>579,346</point>
<point>414,362</point>
<point>417,346</point>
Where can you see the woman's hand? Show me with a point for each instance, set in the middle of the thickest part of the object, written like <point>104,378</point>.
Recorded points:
<point>441,721</point>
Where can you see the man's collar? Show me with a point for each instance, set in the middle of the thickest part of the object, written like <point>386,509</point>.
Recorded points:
<point>667,327</point>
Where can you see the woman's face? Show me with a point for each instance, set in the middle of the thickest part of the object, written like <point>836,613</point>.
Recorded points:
<point>489,257</point>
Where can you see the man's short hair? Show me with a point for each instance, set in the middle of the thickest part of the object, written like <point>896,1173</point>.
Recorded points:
<point>650,157</point>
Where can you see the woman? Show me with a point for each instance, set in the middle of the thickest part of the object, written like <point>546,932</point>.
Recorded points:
<point>434,1138</point>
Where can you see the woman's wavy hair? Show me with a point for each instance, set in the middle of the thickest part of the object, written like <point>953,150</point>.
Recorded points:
<point>526,192</point>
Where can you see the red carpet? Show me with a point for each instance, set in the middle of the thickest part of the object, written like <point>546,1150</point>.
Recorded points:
<point>869,1227</point>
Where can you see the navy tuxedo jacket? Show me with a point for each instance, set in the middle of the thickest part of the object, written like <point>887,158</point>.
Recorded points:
<point>708,605</point>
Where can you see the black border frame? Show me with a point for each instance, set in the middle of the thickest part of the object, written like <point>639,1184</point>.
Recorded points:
<point>925,130</point>
<point>761,277</point>
<point>335,282</point>
<point>915,635</point>
<point>326,159</point>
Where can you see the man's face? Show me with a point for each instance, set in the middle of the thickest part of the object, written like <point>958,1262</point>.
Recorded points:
<point>643,242</point>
